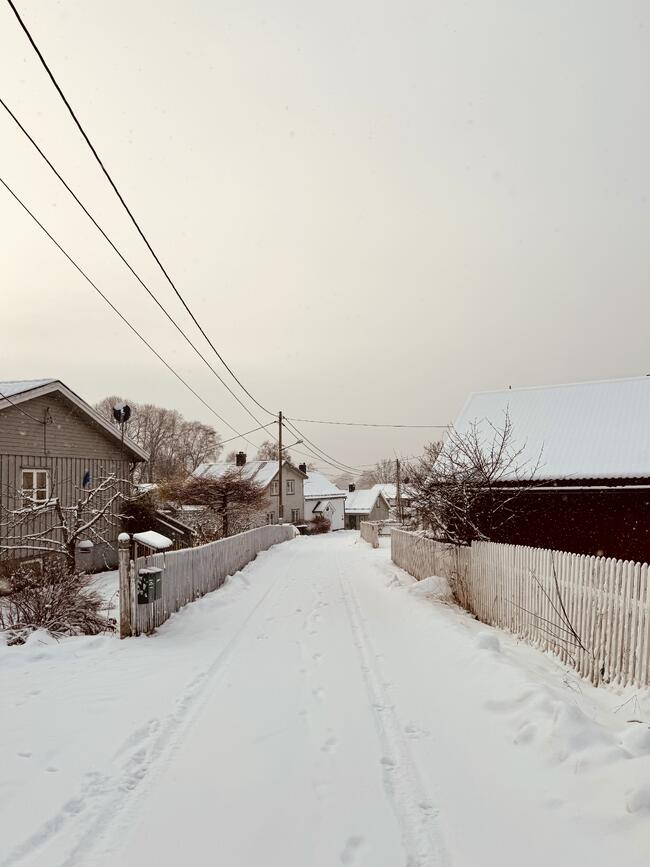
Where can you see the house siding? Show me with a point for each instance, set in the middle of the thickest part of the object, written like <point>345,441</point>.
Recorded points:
<point>68,447</point>
<point>290,501</point>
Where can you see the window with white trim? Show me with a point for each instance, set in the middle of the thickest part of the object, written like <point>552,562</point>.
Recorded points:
<point>295,516</point>
<point>270,518</point>
<point>275,489</point>
<point>35,486</point>
<point>291,486</point>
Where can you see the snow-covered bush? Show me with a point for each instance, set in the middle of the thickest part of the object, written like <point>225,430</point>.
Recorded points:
<point>56,600</point>
<point>319,524</point>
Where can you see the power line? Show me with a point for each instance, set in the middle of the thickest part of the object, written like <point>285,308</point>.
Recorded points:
<point>122,317</point>
<point>328,458</point>
<point>255,429</point>
<point>367,424</point>
<point>20,409</point>
<point>128,210</point>
<point>128,265</point>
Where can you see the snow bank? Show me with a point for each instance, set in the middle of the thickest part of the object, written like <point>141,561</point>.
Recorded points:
<point>434,587</point>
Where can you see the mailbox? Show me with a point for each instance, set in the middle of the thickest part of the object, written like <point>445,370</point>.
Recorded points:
<point>149,584</point>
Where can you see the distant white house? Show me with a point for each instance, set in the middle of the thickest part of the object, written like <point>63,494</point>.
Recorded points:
<point>322,497</point>
<point>367,505</point>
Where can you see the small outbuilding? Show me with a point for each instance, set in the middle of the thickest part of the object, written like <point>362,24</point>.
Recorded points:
<point>366,505</point>
<point>322,497</point>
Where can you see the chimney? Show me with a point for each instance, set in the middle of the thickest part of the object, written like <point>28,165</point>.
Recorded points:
<point>303,468</point>
<point>240,459</point>
<point>352,488</point>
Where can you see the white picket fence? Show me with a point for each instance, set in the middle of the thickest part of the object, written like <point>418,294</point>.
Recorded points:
<point>190,573</point>
<point>370,532</point>
<point>593,612</point>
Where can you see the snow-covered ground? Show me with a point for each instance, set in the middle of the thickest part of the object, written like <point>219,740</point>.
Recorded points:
<point>320,709</point>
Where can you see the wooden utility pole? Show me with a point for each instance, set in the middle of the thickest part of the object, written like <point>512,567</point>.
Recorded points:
<point>399,490</point>
<point>280,495</point>
<point>124,558</point>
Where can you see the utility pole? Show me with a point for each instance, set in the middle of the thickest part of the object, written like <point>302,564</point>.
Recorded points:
<point>280,495</point>
<point>399,490</point>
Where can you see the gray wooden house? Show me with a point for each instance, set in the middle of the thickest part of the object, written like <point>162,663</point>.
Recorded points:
<point>53,445</point>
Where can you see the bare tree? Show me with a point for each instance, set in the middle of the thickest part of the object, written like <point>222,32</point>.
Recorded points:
<point>48,527</point>
<point>469,489</point>
<point>383,472</point>
<point>343,481</point>
<point>231,502</point>
<point>176,446</point>
<point>268,451</point>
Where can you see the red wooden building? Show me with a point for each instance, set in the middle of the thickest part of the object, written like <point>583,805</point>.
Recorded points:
<point>590,493</point>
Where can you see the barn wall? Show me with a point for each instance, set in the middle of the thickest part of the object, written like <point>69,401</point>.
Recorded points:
<point>610,523</point>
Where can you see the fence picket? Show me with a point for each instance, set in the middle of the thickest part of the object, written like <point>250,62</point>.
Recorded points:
<point>606,601</point>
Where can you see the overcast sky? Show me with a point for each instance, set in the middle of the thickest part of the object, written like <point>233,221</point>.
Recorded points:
<point>374,208</point>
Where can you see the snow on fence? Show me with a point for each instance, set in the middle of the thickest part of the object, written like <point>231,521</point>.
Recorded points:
<point>370,532</point>
<point>593,612</point>
<point>192,572</point>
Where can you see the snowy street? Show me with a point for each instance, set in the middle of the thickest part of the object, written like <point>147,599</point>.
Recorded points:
<point>320,709</point>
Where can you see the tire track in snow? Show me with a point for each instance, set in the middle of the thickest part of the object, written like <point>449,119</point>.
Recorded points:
<point>415,813</point>
<point>148,750</point>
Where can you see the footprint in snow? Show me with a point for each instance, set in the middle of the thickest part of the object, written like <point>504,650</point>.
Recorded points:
<point>351,849</point>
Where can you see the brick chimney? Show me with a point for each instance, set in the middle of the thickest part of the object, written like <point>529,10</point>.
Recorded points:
<point>303,468</point>
<point>240,459</point>
<point>352,488</point>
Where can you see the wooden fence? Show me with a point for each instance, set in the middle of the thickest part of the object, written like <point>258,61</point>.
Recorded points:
<point>370,533</point>
<point>190,573</point>
<point>593,612</point>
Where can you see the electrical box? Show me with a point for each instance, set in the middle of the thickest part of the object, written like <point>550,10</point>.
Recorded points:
<point>149,584</point>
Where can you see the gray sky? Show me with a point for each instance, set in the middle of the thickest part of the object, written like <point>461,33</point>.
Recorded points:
<point>373,208</point>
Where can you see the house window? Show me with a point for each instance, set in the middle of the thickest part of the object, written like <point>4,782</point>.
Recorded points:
<point>295,516</point>
<point>270,518</point>
<point>275,489</point>
<point>35,486</point>
<point>291,486</point>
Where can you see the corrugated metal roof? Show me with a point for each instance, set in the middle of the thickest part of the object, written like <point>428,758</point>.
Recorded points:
<point>585,430</point>
<point>319,486</point>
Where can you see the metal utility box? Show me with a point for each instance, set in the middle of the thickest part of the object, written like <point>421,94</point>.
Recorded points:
<point>149,584</point>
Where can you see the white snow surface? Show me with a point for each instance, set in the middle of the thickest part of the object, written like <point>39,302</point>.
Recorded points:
<point>315,712</point>
<point>318,486</point>
<point>18,386</point>
<point>583,430</point>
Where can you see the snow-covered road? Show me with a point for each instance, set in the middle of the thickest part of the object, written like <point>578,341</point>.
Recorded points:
<point>318,710</point>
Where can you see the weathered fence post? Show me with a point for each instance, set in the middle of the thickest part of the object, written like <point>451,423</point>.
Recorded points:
<point>124,558</point>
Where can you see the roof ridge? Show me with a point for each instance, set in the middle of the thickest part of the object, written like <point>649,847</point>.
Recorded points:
<point>582,382</point>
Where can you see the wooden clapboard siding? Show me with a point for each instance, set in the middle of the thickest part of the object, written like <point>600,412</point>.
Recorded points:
<point>69,445</point>
<point>69,434</point>
<point>607,601</point>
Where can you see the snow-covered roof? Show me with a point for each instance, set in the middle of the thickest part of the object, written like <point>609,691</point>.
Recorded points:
<point>263,472</point>
<point>585,430</point>
<point>20,391</point>
<point>389,490</point>
<point>362,502</point>
<point>19,386</point>
<point>318,486</point>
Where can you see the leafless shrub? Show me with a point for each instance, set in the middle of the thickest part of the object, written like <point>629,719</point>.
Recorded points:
<point>56,600</point>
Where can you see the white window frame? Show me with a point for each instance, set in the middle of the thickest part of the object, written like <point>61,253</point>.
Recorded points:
<point>291,486</point>
<point>29,494</point>
<point>275,489</point>
<point>295,516</point>
<point>270,518</point>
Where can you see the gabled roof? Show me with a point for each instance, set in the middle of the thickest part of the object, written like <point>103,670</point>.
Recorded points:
<point>363,502</point>
<point>584,430</point>
<point>263,472</point>
<point>318,486</point>
<point>19,391</point>
<point>389,490</point>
